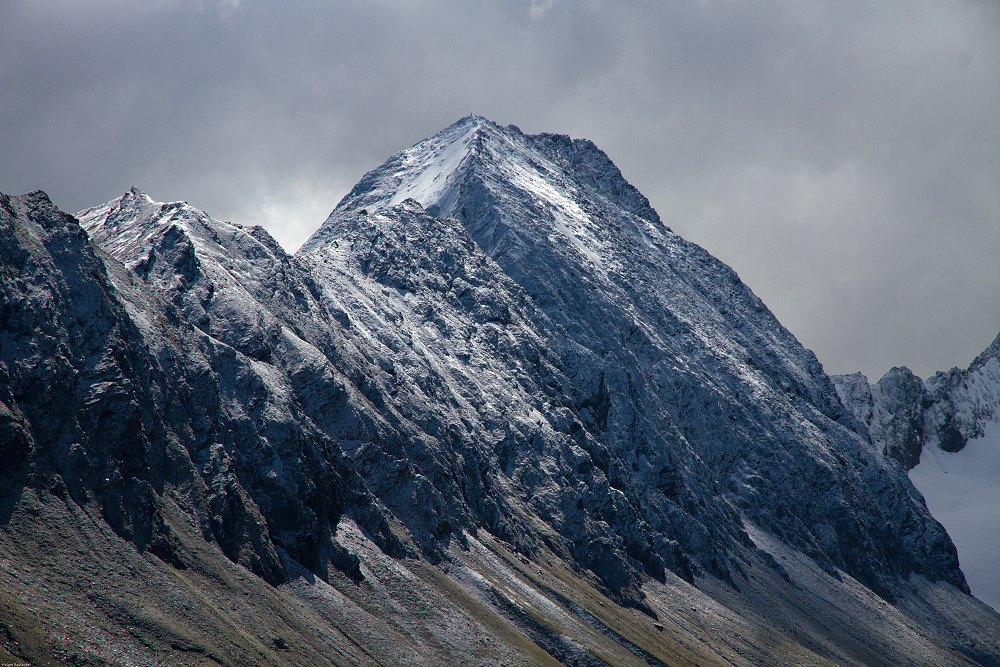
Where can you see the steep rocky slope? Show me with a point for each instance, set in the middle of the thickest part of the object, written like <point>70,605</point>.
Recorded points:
<point>493,412</point>
<point>685,392</point>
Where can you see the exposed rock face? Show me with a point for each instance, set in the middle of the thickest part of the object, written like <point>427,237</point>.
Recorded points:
<point>118,398</point>
<point>892,411</point>
<point>85,400</point>
<point>493,354</point>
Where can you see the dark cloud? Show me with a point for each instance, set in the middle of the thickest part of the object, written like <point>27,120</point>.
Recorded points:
<point>843,157</point>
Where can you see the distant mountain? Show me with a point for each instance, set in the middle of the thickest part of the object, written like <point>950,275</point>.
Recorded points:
<point>946,432</point>
<point>492,412</point>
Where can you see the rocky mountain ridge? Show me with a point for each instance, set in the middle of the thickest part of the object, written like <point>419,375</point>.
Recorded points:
<point>905,414</point>
<point>492,383</point>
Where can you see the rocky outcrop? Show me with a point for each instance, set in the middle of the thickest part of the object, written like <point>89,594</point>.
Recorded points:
<point>891,411</point>
<point>903,414</point>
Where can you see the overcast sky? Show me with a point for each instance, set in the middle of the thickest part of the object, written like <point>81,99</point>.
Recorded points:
<point>843,157</point>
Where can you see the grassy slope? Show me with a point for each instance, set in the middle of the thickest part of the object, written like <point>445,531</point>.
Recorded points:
<point>73,592</point>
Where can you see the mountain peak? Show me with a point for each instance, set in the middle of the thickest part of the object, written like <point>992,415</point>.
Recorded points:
<point>429,172</point>
<point>124,219</point>
<point>473,119</point>
<point>545,172</point>
<point>124,226</point>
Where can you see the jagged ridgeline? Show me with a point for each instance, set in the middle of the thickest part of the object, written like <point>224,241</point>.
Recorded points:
<point>493,412</point>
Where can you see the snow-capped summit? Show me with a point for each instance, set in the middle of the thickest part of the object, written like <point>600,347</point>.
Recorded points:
<point>429,172</point>
<point>551,209</point>
<point>550,171</point>
<point>123,219</point>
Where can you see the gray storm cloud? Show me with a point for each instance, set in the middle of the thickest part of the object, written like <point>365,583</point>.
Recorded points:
<point>844,158</point>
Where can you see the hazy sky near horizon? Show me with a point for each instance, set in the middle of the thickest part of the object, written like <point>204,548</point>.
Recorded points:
<point>843,157</point>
